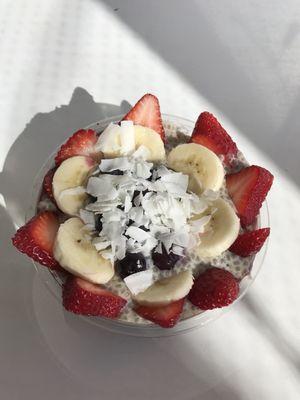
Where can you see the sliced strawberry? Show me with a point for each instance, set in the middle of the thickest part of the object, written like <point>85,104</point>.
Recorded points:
<point>214,288</point>
<point>85,298</point>
<point>146,112</point>
<point>249,243</point>
<point>248,189</point>
<point>36,238</point>
<point>47,183</point>
<point>81,143</point>
<point>165,316</point>
<point>209,133</point>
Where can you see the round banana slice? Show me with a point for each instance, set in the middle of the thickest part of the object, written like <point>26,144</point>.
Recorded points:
<point>75,252</point>
<point>221,230</point>
<point>166,290</point>
<point>117,141</point>
<point>69,181</point>
<point>152,141</point>
<point>204,168</point>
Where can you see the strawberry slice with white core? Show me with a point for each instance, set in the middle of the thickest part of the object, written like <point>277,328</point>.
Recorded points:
<point>146,112</point>
<point>47,183</point>
<point>166,316</point>
<point>36,238</point>
<point>249,243</point>
<point>81,143</point>
<point>248,189</point>
<point>209,133</point>
<point>86,298</point>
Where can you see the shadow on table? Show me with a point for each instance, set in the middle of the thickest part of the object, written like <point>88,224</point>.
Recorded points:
<point>42,135</point>
<point>183,35</point>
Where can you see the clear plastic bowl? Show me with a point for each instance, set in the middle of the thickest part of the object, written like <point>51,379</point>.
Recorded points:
<point>53,281</point>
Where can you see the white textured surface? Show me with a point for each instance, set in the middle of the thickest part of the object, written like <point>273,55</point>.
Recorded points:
<point>243,64</point>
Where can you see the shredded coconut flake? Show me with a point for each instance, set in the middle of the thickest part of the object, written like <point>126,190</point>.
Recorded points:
<point>109,140</point>
<point>138,234</point>
<point>144,207</point>
<point>139,282</point>
<point>142,152</point>
<point>127,137</point>
<point>108,165</point>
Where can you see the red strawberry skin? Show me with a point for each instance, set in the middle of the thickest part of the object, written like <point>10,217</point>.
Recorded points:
<point>249,243</point>
<point>214,288</point>
<point>85,298</point>
<point>146,112</point>
<point>81,143</point>
<point>36,238</point>
<point>209,133</point>
<point>248,189</point>
<point>166,316</point>
<point>47,183</point>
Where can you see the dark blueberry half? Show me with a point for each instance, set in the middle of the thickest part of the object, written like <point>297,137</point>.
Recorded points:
<point>165,260</point>
<point>131,264</point>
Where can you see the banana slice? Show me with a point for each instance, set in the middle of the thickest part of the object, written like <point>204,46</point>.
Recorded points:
<point>204,168</point>
<point>117,141</point>
<point>68,182</point>
<point>167,290</point>
<point>152,141</point>
<point>75,252</point>
<point>220,232</point>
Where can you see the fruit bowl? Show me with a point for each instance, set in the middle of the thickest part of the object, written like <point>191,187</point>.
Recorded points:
<point>53,280</point>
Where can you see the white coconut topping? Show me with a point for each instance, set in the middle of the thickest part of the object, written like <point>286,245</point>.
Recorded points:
<point>127,137</point>
<point>109,140</point>
<point>142,152</point>
<point>138,234</point>
<point>139,282</point>
<point>143,207</point>
<point>88,218</point>
<point>113,164</point>
<point>117,139</point>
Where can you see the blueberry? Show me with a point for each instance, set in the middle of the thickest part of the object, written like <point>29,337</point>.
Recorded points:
<point>131,264</point>
<point>165,260</point>
<point>98,222</point>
